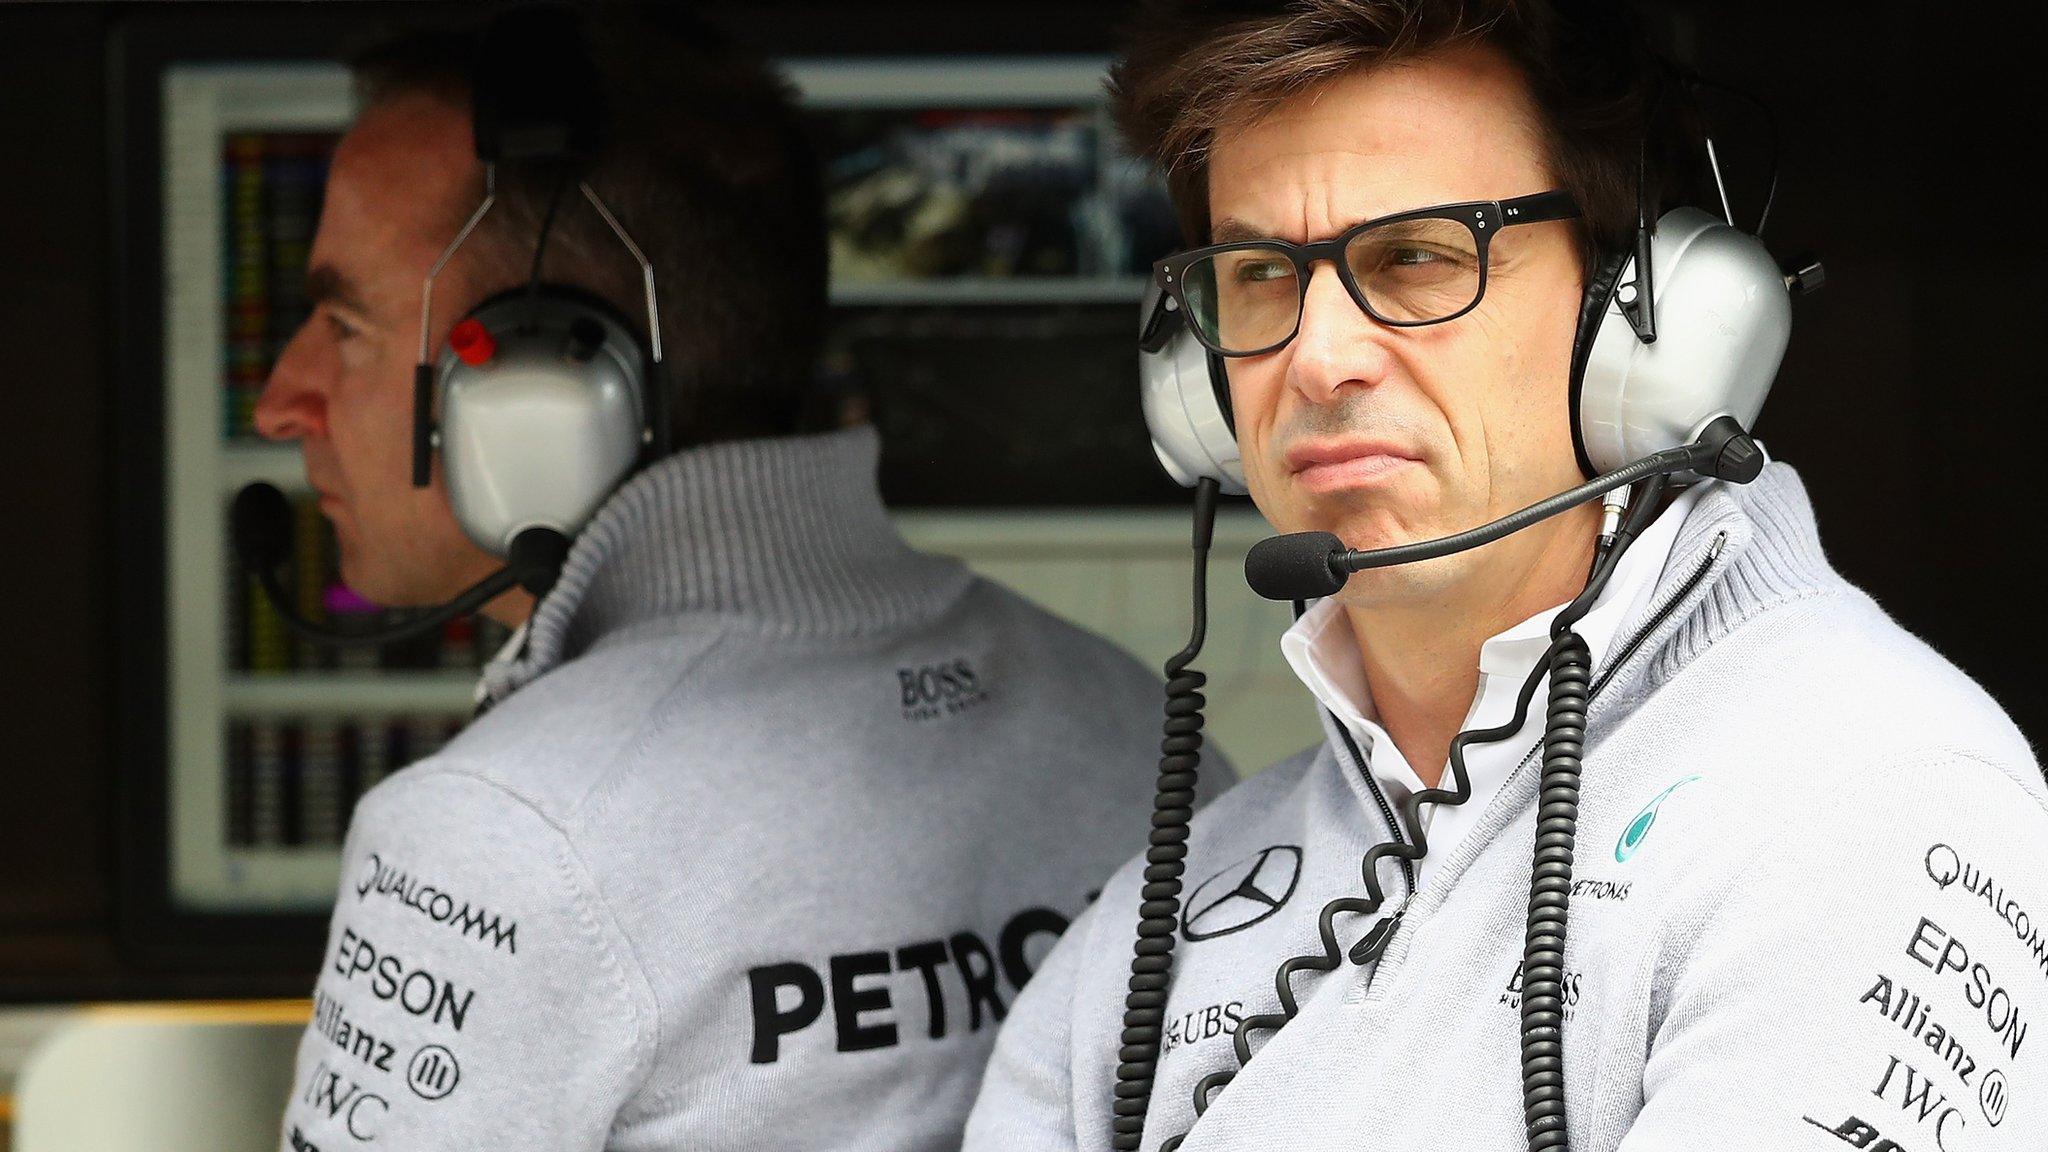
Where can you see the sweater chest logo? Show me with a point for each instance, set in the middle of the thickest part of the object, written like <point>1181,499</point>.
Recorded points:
<point>1570,990</point>
<point>1639,828</point>
<point>1243,894</point>
<point>940,691</point>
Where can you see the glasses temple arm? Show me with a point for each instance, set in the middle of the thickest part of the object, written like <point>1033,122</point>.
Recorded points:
<point>1538,208</point>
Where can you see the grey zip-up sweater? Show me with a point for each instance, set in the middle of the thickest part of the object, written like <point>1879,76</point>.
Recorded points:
<point>755,846</point>
<point>1810,910</point>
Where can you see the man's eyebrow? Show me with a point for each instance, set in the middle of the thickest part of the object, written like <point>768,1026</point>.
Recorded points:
<point>1230,230</point>
<point>325,284</point>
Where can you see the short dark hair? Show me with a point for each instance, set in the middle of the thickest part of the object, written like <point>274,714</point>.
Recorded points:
<point>1193,67</point>
<point>706,165</point>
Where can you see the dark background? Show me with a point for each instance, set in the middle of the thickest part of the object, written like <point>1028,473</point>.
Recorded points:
<point>1910,400</point>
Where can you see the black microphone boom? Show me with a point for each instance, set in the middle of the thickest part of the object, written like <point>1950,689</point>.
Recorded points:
<point>1307,565</point>
<point>262,526</point>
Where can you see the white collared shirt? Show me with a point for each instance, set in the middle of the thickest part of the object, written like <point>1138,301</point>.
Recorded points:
<point>1325,655</point>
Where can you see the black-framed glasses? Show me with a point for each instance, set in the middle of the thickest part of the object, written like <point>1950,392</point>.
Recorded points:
<point>1413,268</point>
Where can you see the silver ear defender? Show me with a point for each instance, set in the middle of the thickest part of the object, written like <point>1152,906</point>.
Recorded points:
<point>545,399</point>
<point>1185,394</point>
<point>1723,316</point>
<point>541,413</point>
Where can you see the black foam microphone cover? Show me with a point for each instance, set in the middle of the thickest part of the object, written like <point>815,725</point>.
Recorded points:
<point>262,526</point>
<point>1294,567</point>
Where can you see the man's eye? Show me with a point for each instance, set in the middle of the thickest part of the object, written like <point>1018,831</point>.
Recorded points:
<point>1413,257</point>
<point>341,328</point>
<point>1259,271</point>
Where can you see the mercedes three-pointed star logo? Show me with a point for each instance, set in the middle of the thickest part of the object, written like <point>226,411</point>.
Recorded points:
<point>1243,894</point>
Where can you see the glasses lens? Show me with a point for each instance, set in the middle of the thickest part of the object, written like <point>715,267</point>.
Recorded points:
<point>1243,300</point>
<point>1416,270</point>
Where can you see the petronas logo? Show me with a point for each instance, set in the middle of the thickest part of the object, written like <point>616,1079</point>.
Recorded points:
<point>1639,828</point>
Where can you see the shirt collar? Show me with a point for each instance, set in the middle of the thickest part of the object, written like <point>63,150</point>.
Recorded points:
<point>1324,654</point>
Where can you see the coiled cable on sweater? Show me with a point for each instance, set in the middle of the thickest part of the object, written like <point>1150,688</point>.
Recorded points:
<point>1568,662</point>
<point>1173,806</point>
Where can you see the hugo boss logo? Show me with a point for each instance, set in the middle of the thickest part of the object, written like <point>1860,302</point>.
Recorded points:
<point>1568,990</point>
<point>1242,894</point>
<point>939,691</point>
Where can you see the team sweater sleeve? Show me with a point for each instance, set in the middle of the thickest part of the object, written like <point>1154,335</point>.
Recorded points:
<point>474,992</point>
<point>1868,980</point>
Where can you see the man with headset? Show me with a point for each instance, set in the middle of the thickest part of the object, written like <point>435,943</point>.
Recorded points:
<point>769,816</point>
<point>1800,852</point>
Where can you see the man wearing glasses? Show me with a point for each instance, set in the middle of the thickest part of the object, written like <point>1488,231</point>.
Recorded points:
<point>1809,909</point>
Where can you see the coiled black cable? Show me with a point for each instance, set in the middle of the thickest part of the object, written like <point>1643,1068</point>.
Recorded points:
<point>1173,806</point>
<point>1570,664</point>
<point>1558,662</point>
<point>1375,937</point>
<point>1550,889</point>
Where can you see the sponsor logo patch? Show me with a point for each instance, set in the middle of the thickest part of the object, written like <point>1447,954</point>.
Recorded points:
<point>1242,894</point>
<point>1200,1024</point>
<point>380,878</point>
<point>1920,1102</point>
<point>940,691</point>
<point>1568,990</point>
<point>345,1102</point>
<point>1857,1133</point>
<point>789,997</point>
<point>432,1073</point>
<point>1949,868</point>
<point>1632,836</point>
<point>331,1019</point>
<point>1942,953</point>
<point>388,977</point>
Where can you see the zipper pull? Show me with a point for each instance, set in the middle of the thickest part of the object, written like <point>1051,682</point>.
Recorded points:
<point>1374,942</point>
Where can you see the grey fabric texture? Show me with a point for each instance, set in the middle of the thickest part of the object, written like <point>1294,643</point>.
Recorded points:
<point>1809,910</point>
<point>755,844</point>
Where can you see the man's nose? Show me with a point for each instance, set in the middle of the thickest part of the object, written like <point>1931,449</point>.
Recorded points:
<point>1338,345</point>
<point>293,405</point>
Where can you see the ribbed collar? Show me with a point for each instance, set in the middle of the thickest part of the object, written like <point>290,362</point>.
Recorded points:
<point>1755,547</point>
<point>1744,550</point>
<point>785,535</point>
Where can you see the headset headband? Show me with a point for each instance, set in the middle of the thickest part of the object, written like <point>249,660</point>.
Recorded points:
<point>535,92</point>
